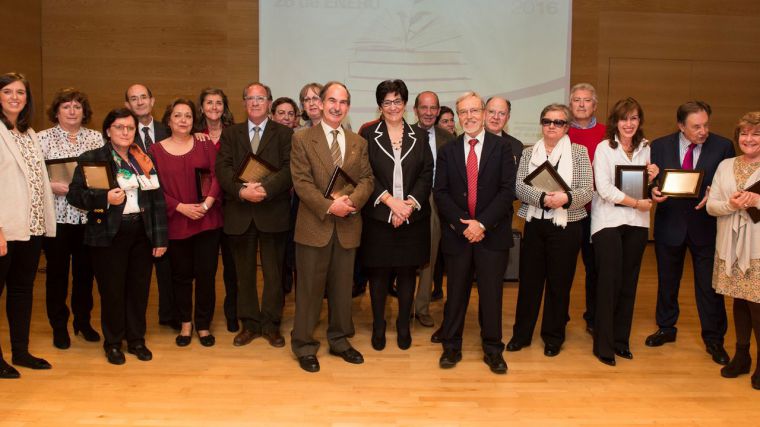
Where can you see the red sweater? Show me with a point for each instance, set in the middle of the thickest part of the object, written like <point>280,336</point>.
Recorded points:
<point>588,138</point>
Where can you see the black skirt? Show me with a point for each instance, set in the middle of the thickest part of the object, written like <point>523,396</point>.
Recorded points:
<point>385,246</point>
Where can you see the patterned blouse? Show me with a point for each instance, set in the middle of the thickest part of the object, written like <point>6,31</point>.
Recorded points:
<point>55,144</point>
<point>33,163</point>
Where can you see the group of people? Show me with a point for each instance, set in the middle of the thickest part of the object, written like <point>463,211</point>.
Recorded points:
<point>413,188</point>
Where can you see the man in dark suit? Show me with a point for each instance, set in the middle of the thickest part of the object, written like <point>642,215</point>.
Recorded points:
<point>257,214</point>
<point>328,230</point>
<point>474,188</point>
<point>426,108</point>
<point>498,110</point>
<point>684,223</point>
<point>139,99</point>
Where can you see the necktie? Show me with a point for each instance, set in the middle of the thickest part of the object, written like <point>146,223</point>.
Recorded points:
<point>472,178</point>
<point>255,140</point>
<point>335,149</point>
<point>147,139</point>
<point>688,159</point>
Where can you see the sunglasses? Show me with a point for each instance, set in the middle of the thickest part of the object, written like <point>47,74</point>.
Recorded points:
<point>557,123</point>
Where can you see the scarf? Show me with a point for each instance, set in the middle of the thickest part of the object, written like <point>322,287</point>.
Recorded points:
<point>735,246</point>
<point>138,171</point>
<point>563,154</point>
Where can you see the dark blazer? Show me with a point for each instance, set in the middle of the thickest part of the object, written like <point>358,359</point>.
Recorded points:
<point>416,166</point>
<point>442,136</point>
<point>496,187</point>
<point>161,130</point>
<point>103,221</point>
<point>674,219</point>
<point>273,213</point>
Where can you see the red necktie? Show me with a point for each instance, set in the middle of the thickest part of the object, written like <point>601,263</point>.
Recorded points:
<point>472,178</point>
<point>688,159</point>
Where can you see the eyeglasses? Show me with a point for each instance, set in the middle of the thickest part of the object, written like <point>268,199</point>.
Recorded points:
<point>500,114</point>
<point>313,99</point>
<point>396,102</point>
<point>471,112</point>
<point>557,123</point>
<point>122,128</point>
<point>255,99</point>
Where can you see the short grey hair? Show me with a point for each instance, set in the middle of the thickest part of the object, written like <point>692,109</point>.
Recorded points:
<point>468,95</point>
<point>584,86</point>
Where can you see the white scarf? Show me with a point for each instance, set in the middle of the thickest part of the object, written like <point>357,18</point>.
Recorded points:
<point>563,153</point>
<point>736,246</point>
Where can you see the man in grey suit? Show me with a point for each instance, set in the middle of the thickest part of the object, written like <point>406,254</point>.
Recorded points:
<point>257,214</point>
<point>427,107</point>
<point>139,99</point>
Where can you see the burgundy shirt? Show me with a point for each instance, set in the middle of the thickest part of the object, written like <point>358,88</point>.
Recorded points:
<point>177,177</point>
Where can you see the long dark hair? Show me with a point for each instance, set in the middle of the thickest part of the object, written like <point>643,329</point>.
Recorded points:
<point>24,120</point>
<point>619,111</point>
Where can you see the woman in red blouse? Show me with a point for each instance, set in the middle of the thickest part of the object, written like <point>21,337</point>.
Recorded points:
<point>194,219</point>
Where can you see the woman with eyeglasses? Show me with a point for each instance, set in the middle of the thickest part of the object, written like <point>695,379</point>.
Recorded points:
<point>552,232</point>
<point>213,116</point>
<point>619,229</point>
<point>27,213</point>
<point>311,105</point>
<point>69,110</point>
<point>396,221</point>
<point>126,228</point>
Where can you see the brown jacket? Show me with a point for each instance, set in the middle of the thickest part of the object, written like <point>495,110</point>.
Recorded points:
<point>311,166</point>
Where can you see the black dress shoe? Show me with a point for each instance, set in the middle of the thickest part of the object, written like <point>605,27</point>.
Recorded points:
<point>660,337</point>
<point>404,340</point>
<point>183,340</point>
<point>87,331</point>
<point>756,382</point>
<point>718,353</point>
<point>514,345</point>
<point>115,356</point>
<point>141,352</point>
<point>449,358</point>
<point>309,363</point>
<point>436,337</point>
<point>495,362</point>
<point>551,350</point>
<point>378,339</point>
<point>207,340</point>
<point>624,353</point>
<point>61,338</point>
<point>233,325</point>
<point>350,355</point>
<point>607,360</point>
<point>7,371</point>
<point>28,361</point>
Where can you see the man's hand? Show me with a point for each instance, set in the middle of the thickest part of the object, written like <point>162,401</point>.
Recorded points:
<point>159,252</point>
<point>474,232</point>
<point>704,200</point>
<point>253,192</point>
<point>340,207</point>
<point>657,195</point>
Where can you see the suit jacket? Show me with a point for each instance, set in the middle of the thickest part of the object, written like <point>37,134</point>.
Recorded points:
<point>416,167</point>
<point>103,221</point>
<point>273,213</point>
<point>161,130</point>
<point>675,219</point>
<point>312,166</point>
<point>496,186</point>
<point>442,136</point>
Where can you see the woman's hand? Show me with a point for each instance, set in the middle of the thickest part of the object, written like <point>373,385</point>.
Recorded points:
<point>209,202</point>
<point>159,252</point>
<point>396,221</point>
<point>116,196</point>
<point>200,136</point>
<point>59,188</point>
<point>643,205</point>
<point>193,211</point>
<point>398,207</point>
<point>652,171</point>
<point>555,199</point>
<point>3,244</point>
<point>753,199</point>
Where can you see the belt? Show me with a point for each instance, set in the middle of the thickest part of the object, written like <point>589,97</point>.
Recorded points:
<point>133,217</point>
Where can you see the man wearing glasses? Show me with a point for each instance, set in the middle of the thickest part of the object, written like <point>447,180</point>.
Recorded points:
<point>498,110</point>
<point>257,214</point>
<point>474,189</point>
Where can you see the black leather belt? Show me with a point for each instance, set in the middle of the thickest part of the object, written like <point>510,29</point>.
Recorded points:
<point>133,217</point>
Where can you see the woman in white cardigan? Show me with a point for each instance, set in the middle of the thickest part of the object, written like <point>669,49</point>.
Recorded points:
<point>737,246</point>
<point>26,215</point>
<point>619,224</point>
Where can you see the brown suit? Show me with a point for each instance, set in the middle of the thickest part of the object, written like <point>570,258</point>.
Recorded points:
<point>325,244</point>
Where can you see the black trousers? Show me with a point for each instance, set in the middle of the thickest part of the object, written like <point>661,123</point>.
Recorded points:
<point>267,316</point>
<point>710,305</point>
<point>618,260</point>
<point>123,273</point>
<point>547,260</point>
<point>67,249</point>
<point>17,270</point>
<point>489,265</point>
<point>167,309</point>
<point>589,263</point>
<point>380,279</point>
<point>195,259</point>
<point>230,278</point>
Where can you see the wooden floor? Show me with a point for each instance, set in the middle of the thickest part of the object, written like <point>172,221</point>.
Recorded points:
<point>677,384</point>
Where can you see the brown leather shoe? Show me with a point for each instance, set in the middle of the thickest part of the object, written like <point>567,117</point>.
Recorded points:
<point>245,337</point>
<point>275,338</point>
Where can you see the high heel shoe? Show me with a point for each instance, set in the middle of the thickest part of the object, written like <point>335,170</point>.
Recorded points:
<point>184,340</point>
<point>61,338</point>
<point>87,331</point>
